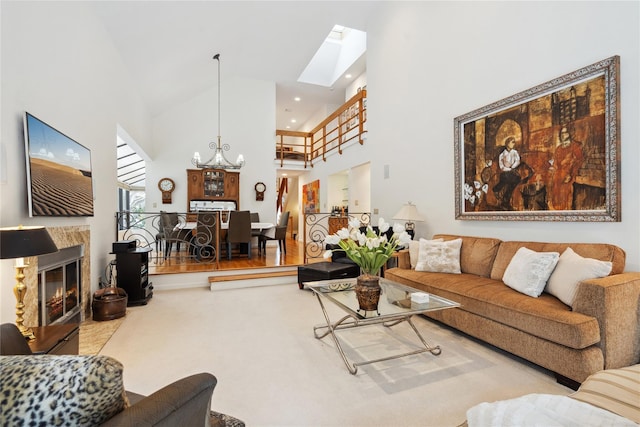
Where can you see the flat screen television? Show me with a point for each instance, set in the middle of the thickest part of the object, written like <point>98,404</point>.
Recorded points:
<point>59,181</point>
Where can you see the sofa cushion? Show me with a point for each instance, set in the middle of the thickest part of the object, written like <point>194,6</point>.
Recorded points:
<point>570,271</point>
<point>544,317</point>
<point>438,256</point>
<point>529,271</point>
<point>601,251</point>
<point>476,254</point>
<point>60,390</point>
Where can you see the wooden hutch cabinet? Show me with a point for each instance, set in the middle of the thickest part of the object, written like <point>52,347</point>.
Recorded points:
<point>213,184</point>
<point>337,223</point>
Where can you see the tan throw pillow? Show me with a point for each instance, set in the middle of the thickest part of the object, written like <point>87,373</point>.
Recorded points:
<point>571,270</point>
<point>414,250</point>
<point>528,271</point>
<point>439,257</point>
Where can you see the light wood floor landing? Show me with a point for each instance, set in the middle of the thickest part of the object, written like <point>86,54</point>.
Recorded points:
<point>272,259</point>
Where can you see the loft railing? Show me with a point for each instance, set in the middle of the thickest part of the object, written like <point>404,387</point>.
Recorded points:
<point>344,125</point>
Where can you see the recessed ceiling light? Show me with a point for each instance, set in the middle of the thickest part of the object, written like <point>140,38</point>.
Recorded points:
<point>293,120</point>
<point>288,127</point>
<point>348,76</point>
<point>284,174</point>
<point>297,98</point>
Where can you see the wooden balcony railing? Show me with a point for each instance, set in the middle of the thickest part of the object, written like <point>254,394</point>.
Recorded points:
<point>344,125</point>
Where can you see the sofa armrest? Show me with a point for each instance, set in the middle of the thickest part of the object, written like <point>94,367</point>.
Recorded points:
<point>404,261</point>
<point>186,402</point>
<point>615,303</point>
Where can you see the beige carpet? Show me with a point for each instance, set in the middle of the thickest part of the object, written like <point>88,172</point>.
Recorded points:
<point>271,371</point>
<point>94,335</point>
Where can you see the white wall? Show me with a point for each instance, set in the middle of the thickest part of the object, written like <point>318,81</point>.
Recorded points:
<point>358,83</point>
<point>337,190</point>
<point>247,124</point>
<point>360,189</point>
<point>58,64</point>
<point>429,62</point>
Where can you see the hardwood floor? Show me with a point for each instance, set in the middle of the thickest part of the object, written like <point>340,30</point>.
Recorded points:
<point>273,258</point>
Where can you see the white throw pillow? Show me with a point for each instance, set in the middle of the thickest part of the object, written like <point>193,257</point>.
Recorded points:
<point>528,271</point>
<point>571,270</point>
<point>439,256</point>
<point>414,250</point>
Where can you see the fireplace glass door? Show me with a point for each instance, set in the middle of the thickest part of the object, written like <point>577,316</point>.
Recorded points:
<point>59,278</point>
<point>53,291</point>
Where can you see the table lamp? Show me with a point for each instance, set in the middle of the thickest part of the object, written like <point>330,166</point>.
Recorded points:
<point>19,242</point>
<point>409,213</point>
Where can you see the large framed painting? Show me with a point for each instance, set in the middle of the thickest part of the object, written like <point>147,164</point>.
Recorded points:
<point>550,153</point>
<point>311,196</point>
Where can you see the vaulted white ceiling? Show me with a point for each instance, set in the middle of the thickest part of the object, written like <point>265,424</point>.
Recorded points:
<point>168,46</point>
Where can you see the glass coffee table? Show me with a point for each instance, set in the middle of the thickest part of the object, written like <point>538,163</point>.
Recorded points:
<point>395,307</point>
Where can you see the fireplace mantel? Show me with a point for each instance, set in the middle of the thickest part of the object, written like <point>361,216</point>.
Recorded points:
<point>63,237</point>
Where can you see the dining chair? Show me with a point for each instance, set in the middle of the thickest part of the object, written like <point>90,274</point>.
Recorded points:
<point>168,222</point>
<point>160,236</point>
<point>239,230</point>
<point>255,234</point>
<point>280,235</point>
<point>205,240</point>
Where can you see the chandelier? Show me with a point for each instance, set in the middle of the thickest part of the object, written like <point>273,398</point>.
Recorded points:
<point>218,160</point>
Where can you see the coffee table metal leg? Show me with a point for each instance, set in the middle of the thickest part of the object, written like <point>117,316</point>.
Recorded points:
<point>433,350</point>
<point>353,369</point>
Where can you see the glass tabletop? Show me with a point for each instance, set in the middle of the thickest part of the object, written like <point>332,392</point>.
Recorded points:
<point>395,299</point>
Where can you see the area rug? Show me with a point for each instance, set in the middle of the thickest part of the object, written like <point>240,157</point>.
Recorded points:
<point>94,335</point>
<point>272,371</point>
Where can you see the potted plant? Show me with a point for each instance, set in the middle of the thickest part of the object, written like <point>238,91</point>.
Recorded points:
<point>370,250</point>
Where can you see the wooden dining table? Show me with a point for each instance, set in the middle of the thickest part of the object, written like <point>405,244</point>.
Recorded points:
<point>266,228</point>
<point>255,226</point>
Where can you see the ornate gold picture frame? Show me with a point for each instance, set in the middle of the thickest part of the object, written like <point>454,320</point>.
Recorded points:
<point>549,153</point>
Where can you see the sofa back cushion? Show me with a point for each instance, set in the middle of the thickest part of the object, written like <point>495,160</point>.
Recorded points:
<point>476,254</point>
<point>601,251</point>
<point>60,390</point>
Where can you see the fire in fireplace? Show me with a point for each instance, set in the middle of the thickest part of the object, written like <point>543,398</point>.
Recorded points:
<point>59,279</point>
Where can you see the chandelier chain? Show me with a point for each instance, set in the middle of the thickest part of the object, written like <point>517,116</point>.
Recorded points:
<point>218,160</point>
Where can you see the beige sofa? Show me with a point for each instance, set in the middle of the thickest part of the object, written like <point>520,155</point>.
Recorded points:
<point>602,331</point>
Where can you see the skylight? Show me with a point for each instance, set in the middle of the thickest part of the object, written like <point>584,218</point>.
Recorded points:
<point>342,47</point>
<point>131,165</point>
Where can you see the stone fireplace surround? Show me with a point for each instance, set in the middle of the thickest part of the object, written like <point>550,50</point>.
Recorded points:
<point>63,237</point>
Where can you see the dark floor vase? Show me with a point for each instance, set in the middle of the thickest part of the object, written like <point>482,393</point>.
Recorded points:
<point>109,303</point>
<point>368,292</point>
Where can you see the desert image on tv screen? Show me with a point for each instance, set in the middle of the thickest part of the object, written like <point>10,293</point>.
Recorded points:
<point>59,170</point>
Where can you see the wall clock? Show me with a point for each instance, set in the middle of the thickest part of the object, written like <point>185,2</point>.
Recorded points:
<point>260,189</point>
<point>166,185</point>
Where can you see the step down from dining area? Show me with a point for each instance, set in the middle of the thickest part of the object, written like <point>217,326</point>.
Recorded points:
<point>246,279</point>
<point>247,276</point>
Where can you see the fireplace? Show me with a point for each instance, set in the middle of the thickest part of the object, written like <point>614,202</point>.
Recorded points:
<point>59,286</point>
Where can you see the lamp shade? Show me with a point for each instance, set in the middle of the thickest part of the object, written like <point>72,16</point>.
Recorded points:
<point>409,213</point>
<point>18,242</point>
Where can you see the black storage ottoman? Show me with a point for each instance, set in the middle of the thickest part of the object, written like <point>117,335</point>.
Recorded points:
<point>325,271</point>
